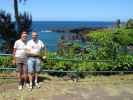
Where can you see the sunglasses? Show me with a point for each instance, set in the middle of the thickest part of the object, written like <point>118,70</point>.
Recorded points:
<point>24,36</point>
<point>34,35</point>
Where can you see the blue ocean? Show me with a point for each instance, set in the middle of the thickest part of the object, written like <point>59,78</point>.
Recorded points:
<point>51,38</point>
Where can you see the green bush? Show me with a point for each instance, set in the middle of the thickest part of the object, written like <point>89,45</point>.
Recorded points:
<point>6,61</point>
<point>105,45</point>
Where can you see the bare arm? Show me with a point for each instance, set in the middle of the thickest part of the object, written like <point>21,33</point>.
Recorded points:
<point>29,53</point>
<point>14,58</point>
<point>46,51</point>
<point>43,53</point>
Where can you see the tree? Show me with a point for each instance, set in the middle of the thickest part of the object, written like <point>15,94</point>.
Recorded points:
<point>118,23</point>
<point>17,14</point>
<point>16,9</point>
<point>129,24</point>
<point>7,32</point>
<point>23,21</point>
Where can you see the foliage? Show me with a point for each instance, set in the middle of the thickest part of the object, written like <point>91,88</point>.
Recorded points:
<point>25,22</point>
<point>68,48</point>
<point>8,31</point>
<point>123,36</point>
<point>6,61</point>
<point>103,52</point>
<point>124,62</point>
<point>118,23</point>
<point>129,24</point>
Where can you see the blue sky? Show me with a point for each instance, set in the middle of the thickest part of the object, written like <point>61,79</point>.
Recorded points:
<point>74,10</point>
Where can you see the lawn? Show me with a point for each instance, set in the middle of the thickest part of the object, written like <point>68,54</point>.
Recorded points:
<point>116,87</point>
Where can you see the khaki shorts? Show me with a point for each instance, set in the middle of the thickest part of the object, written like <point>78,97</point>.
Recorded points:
<point>21,65</point>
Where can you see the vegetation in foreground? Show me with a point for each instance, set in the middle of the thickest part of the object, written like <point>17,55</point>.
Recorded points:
<point>104,50</point>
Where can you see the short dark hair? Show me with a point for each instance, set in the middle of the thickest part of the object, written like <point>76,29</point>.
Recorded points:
<point>23,32</point>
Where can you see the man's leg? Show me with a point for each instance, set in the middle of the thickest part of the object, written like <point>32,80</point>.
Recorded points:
<point>37,70</point>
<point>30,80</point>
<point>25,74</point>
<point>19,75</point>
<point>30,63</point>
<point>36,80</point>
<point>36,77</point>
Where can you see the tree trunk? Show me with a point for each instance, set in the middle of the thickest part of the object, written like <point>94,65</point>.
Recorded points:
<point>16,10</point>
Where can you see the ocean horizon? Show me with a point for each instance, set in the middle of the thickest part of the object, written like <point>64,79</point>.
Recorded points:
<point>51,39</point>
<point>50,25</point>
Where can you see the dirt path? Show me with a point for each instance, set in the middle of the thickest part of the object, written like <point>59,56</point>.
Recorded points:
<point>69,90</point>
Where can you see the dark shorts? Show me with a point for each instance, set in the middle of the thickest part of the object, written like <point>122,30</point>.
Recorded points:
<point>21,65</point>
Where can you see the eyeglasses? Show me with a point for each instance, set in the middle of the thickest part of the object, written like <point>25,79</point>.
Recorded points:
<point>34,35</point>
<point>24,36</point>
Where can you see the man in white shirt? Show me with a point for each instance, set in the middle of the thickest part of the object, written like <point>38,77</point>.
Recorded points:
<point>34,47</point>
<point>20,58</point>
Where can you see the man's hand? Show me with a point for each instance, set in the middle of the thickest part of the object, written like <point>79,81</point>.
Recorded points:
<point>13,61</point>
<point>33,54</point>
<point>44,57</point>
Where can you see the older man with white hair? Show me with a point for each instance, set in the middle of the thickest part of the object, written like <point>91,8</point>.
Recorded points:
<point>34,47</point>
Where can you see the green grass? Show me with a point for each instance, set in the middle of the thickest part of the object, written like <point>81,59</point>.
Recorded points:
<point>52,87</point>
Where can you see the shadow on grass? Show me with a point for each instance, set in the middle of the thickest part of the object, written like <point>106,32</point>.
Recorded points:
<point>43,78</point>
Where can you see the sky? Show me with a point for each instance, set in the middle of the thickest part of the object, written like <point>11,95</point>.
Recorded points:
<point>74,10</point>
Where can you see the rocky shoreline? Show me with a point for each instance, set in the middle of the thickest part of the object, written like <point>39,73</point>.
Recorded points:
<point>77,30</point>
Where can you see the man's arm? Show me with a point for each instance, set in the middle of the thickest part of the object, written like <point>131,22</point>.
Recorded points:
<point>14,58</point>
<point>44,51</point>
<point>29,53</point>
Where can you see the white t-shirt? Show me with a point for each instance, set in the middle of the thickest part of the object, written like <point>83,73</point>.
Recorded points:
<point>20,47</point>
<point>35,47</point>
